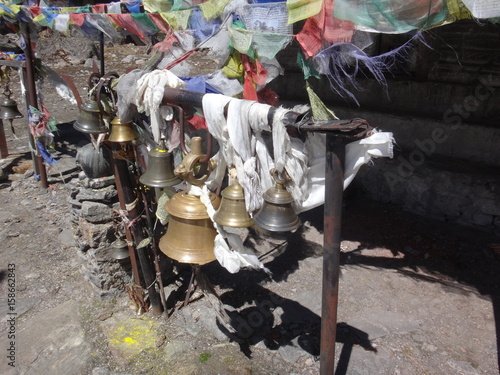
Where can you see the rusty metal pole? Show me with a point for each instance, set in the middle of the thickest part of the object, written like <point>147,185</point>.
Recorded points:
<point>137,288</point>
<point>334,188</point>
<point>101,51</point>
<point>129,202</point>
<point>33,101</point>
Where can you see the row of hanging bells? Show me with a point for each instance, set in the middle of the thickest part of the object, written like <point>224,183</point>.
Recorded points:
<point>191,233</point>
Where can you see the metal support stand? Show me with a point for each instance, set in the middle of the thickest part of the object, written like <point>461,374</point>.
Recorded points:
<point>334,180</point>
<point>129,203</point>
<point>338,133</point>
<point>137,288</point>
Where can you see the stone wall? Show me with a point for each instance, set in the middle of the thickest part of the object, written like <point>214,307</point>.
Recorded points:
<point>94,209</point>
<point>443,111</point>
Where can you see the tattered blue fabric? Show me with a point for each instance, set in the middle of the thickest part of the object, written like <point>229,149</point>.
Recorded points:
<point>88,29</point>
<point>342,62</point>
<point>201,27</point>
<point>133,6</point>
<point>196,84</point>
<point>49,15</point>
<point>45,154</point>
<point>199,84</point>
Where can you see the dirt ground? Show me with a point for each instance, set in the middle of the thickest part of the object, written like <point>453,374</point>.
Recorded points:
<point>416,296</point>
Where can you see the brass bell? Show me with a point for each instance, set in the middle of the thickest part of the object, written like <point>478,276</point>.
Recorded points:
<point>8,109</point>
<point>160,170</point>
<point>277,214</point>
<point>119,249</point>
<point>190,235</point>
<point>122,132</point>
<point>232,211</point>
<point>90,120</point>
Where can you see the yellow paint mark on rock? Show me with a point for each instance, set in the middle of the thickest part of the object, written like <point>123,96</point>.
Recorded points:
<point>131,336</point>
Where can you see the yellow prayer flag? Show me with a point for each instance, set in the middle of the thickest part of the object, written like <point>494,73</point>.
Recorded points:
<point>301,9</point>
<point>159,6</point>
<point>178,20</point>
<point>213,8</point>
<point>457,10</point>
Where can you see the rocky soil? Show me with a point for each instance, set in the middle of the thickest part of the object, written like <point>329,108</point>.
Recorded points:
<point>416,296</point>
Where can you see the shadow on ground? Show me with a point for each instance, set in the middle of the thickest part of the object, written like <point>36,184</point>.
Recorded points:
<point>446,253</point>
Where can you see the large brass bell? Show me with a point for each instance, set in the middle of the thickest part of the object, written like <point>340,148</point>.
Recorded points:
<point>90,120</point>
<point>122,131</point>
<point>277,214</point>
<point>8,109</point>
<point>160,172</point>
<point>190,235</point>
<point>232,211</point>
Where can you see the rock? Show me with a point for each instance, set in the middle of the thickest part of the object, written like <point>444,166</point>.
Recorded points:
<point>490,207</point>
<point>93,235</point>
<point>373,331</point>
<point>175,348</point>
<point>99,183</point>
<point>128,59</point>
<point>429,348</point>
<point>129,337</point>
<point>22,305</point>
<point>462,367</point>
<point>108,194</point>
<point>95,212</point>
<point>482,219</point>
<point>51,349</point>
<point>26,202</point>
<point>292,352</point>
<point>5,215</point>
<point>28,173</point>
<point>66,238</point>
<point>208,319</point>
<point>496,221</point>
<point>391,321</point>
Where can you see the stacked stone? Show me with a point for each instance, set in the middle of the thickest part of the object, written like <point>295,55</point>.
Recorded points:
<point>94,212</point>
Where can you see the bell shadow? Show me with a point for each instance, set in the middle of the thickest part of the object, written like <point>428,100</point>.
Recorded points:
<point>67,139</point>
<point>279,322</point>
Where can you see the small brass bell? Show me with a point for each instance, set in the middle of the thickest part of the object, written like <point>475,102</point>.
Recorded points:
<point>8,109</point>
<point>90,119</point>
<point>160,172</point>
<point>232,211</point>
<point>122,132</point>
<point>119,249</point>
<point>277,214</point>
<point>190,235</point>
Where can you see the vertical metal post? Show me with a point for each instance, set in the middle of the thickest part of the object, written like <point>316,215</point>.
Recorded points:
<point>125,186</point>
<point>334,188</point>
<point>4,151</point>
<point>32,100</point>
<point>131,249</point>
<point>101,51</point>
